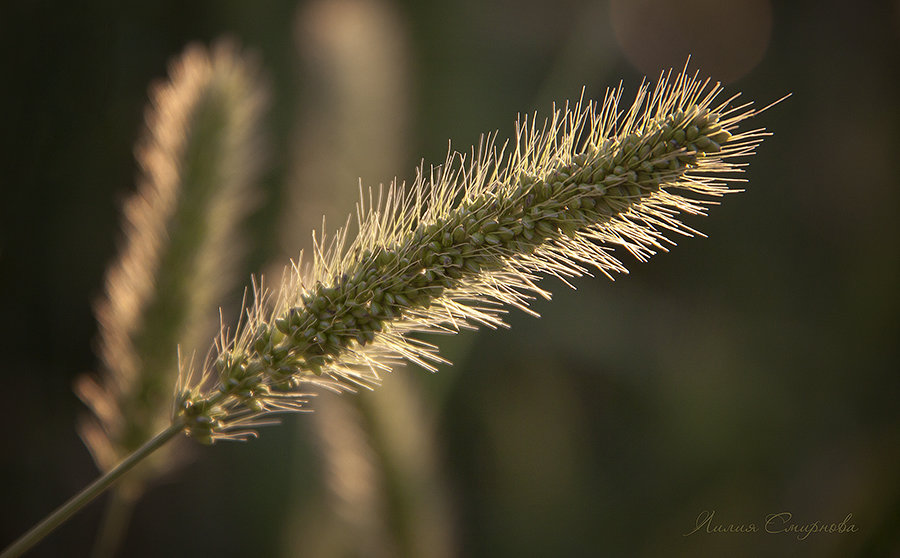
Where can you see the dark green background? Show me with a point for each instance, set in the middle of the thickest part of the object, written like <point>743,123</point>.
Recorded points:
<point>752,372</point>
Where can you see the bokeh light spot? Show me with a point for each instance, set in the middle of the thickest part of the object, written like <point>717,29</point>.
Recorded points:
<point>723,39</point>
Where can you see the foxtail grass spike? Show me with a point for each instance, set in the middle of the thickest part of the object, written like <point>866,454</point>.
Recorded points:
<point>200,159</point>
<point>467,240</point>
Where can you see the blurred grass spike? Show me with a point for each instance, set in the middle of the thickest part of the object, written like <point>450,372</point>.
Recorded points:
<point>468,239</point>
<point>200,159</point>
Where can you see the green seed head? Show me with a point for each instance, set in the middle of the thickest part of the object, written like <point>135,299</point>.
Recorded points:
<point>453,250</point>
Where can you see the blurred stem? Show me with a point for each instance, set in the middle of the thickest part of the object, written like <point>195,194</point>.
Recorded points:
<point>116,518</point>
<point>67,510</point>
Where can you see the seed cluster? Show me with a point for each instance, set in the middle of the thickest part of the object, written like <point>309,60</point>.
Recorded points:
<point>488,231</point>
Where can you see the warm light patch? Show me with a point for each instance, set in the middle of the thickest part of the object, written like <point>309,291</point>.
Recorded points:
<point>726,39</point>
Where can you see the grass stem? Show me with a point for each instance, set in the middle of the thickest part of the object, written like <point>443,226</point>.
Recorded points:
<point>65,511</point>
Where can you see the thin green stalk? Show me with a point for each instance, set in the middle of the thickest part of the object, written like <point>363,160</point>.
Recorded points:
<point>64,512</point>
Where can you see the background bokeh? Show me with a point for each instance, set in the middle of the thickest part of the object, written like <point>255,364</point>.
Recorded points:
<point>749,373</point>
